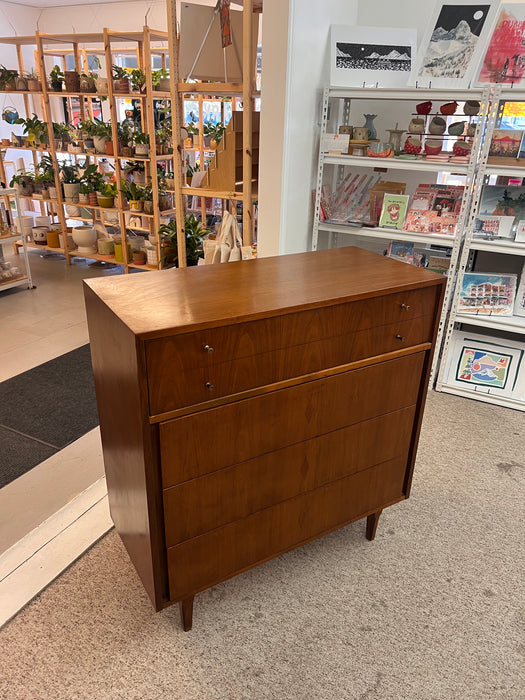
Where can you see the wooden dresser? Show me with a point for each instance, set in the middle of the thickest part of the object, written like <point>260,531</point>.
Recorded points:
<point>250,407</point>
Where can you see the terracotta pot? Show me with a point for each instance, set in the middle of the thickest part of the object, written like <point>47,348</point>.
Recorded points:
<point>92,199</point>
<point>139,257</point>
<point>72,81</point>
<point>20,83</point>
<point>148,207</point>
<point>109,148</point>
<point>34,85</point>
<point>123,85</point>
<point>448,108</point>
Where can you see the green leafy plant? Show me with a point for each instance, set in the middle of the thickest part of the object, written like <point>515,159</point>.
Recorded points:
<point>108,189</point>
<point>70,174</point>
<point>132,191</point>
<point>45,170</point>
<point>119,72</point>
<point>138,78</point>
<point>214,131</point>
<point>87,126</point>
<point>192,126</point>
<point>101,128</point>
<point>140,138</point>
<point>21,177</point>
<point>125,133</point>
<point>7,76</point>
<point>34,128</point>
<point>157,75</point>
<point>60,131</point>
<point>32,74</point>
<point>194,233</point>
<point>91,180</point>
<point>56,78</point>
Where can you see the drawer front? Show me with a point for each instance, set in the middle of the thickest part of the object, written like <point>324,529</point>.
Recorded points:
<point>168,358</point>
<point>202,504</point>
<point>210,440</point>
<point>203,384</point>
<point>205,560</point>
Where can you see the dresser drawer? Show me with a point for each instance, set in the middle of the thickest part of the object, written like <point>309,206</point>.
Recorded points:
<point>209,440</point>
<point>203,504</point>
<point>205,560</point>
<point>174,363</point>
<point>206,383</point>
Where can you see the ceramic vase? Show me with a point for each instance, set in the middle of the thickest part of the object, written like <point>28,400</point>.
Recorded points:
<point>369,124</point>
<point>85,238</point>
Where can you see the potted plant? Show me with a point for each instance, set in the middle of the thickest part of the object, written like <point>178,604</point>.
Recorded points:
<point>101,134</point>
<point>21,83</point>
<point>141,142</point>
<point>136,170</point>
<point>147,199</point>
<point>70,177</point>
<point>122,76</point>
<point>134,194</point>
<point>193,130</point>
<point>125,135</point>
<point>87,129</point>
<point>45,175</point>
<point>91,181</point>
<point>161,80</point>
<point>23,182</point>
<point>214,132</point>
<point>56,79</point>
<point>35,130</point>
<point>87,83</point>
<point>72,81</point>
<point>7,78</point>
<point>33,83</point>
<point>106,195</point>
<point>138,80</point>
<point>61,136</point>
<point>194,234</point>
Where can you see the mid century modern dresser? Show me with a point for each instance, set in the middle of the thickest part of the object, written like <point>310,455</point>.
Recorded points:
<point>250,407</point>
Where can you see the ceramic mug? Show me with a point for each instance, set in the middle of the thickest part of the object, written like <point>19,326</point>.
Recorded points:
<point>361,133</point>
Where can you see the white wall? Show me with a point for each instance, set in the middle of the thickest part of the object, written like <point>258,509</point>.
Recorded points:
<point>388,13</point>
<point>290,116</point>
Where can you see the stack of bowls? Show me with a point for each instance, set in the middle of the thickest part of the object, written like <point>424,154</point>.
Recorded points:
<point>24,225</point>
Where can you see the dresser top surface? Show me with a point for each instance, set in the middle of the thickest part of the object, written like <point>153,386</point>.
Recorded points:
<point>179,300</point>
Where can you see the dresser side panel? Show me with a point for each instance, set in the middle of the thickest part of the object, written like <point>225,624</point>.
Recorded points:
<point>129,444</point>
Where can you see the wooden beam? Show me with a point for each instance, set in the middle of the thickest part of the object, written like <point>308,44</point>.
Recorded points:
<point>247,160</point>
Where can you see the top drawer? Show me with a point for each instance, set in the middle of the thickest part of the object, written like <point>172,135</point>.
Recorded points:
<point>168,358</point>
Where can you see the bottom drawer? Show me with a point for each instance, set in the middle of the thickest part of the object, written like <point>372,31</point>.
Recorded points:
<point>210,558</point>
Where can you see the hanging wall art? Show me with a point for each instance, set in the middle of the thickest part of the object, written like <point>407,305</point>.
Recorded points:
<point>504,58</point>
<point>453,44</point>
<point>370,56</point>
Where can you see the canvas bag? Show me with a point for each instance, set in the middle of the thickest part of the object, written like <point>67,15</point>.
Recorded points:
<point>227,246</point>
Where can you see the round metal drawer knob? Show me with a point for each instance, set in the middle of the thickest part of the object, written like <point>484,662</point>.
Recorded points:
<point>209,386</point>
<point>208,348</point>
<point>405,307</point>
<point>400,337</point>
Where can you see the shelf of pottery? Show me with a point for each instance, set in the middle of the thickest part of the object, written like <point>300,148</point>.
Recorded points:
<point>394,172</point>
<point>110,156</point>
<point>12,273</point>
<point>483,354</point>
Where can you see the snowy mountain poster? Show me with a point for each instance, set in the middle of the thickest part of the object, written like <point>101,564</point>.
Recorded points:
<point>371,56</point>
<point>504,59</point>
<point>456,38</point>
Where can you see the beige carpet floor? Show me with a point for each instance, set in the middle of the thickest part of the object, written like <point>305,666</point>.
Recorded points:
<point>432,610</point>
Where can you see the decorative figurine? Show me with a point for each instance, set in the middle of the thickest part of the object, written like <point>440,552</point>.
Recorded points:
<point>369,123</point>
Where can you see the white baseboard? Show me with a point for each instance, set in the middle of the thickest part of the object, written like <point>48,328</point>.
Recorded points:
<point>43,554</point>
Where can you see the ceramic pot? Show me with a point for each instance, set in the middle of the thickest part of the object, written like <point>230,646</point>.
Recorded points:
<point>413,145</point>
<point>92,199</point>
<point>119,252</point>
<point>102,84</point>
<point>139,177</point>
<point>20,83</point>
<point>25,187</point>
<point>52,192</point>
<point>106,246</point>
<point>43,221</point>
<point>147,207</point>
<point>369,124</point>
<point>416,126</point>
<point>448,108</point>
<point>39,235</point>
<point>471,130</point>
<point>456,129</point>
<point>87,84</point>
<point>433,147</point>
<point>74,148</point>
<point>127,152</point>
<point>123,85</point>
<point>56,85</point>
<point>437,126</point>
<point>461,148</point>
<point>34,85</point>
<point>52,238</point>
<point>72,81</point>
<point>85,238</point>
<point>105,202</point>
<point>89,144</point>
<point>142,149</point>
<point>71,191</point>
<point>139,257</point>
<point>151,252</point>
<point>164,85</point>
<point>361,133</point>
<point>83,198</point>
<point>136,205</point>
<point>424,107</point>
<point>471,108</point>
<point>100,143</point>
<point>165,202</point>
<point>72,211</point>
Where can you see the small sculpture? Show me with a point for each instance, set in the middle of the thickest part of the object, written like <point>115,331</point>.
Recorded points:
<point>369,123</point>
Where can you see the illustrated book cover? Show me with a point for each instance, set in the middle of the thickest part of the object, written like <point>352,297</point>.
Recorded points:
<point>393,211</point>
<point>482,293</point>
<point>493,226</point>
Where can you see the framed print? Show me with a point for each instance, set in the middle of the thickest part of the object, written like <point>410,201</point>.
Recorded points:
<point>519,304</point>
<point>485,294</point>
<point>504,58</point>
<point>455,39</point>
<point>370,56</point>
<point>488,364</point>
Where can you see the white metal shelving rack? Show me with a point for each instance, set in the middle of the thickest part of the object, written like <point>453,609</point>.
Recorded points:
<point>24,279</point>
<point>467,170</point>
<point>507,324</point>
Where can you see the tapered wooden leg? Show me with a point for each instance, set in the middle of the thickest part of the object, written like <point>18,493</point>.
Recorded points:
<point>186,613</point>
<point>371,525</point>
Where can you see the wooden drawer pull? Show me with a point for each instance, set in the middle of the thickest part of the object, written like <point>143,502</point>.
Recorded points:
<point>207,348</point>
<point>400,337</point>
<point>209,386</point>
<point>405,307</point>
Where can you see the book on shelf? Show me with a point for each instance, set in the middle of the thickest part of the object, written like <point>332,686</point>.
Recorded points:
<point>393,210</point>
<point>493,226</point>
<point>401,250</point>
<point>505,143</point>
<point>491,294</point>
<point>503,200</point>
<point>434,209</point>
<point>437,263</point>
<point>376,194</point>
<point>349,203</point>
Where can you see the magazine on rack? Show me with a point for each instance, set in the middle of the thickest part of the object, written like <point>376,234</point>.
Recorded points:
<point>483,293</point>
<point>503,200</point>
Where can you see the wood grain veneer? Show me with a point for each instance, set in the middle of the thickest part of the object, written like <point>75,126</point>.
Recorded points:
<point>303,416</point>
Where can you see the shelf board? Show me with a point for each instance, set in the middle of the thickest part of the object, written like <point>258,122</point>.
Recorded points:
<point>9,237</point>
<point>34,246</point>
<point>395,163</point>
<point>505,401</point>
<point>505,245</point>
<point>152,268</point>
<point>18,282</point>
<point>506,170</point>
<point>389,234</point>
<point>419,94</point>
<point>513,324</point>
<point>217,194</point>
<point>83,154</point>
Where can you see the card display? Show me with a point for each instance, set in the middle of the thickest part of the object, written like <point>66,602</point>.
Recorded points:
<point>487,294</point>
<point>393,211</point>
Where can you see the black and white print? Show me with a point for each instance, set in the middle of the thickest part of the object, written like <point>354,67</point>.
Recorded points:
<point>373,57</point>
<point>454,39</point>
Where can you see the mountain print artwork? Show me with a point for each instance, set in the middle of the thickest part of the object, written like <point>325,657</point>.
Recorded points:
<point>373,57</point>
<point>453,41</point>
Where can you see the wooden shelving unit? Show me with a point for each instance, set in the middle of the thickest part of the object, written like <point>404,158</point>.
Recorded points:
<point>109,44</point>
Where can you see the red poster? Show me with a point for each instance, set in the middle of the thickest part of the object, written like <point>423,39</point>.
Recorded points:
<point>504,61</point>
